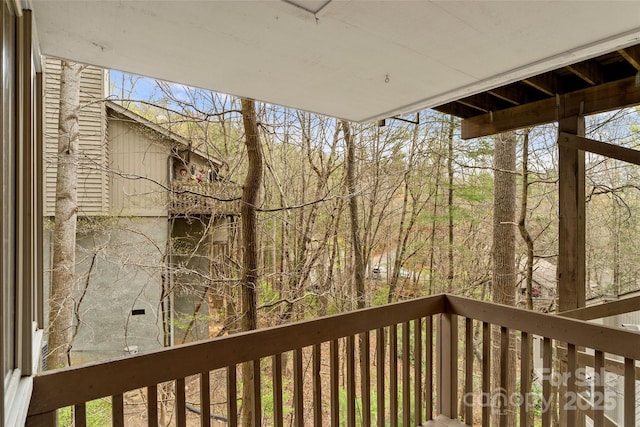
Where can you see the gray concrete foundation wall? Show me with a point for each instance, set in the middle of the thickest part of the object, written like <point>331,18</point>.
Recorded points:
<point>120,266</point>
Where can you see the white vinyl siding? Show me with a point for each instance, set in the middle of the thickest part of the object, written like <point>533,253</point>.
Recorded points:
<point>139,160</point>
<point>93,180</point>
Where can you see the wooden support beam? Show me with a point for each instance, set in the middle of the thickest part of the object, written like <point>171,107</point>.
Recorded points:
<point>589,71</point>
<point>546,83</point>
<point>592,100</point>
<point>609,364</point>
<point>613,308</point>
<point>571,241</point>
<point>608,150</point>
<point>632,55</point>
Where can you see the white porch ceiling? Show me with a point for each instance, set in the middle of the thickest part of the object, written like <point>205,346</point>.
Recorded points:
<point>358,60</point>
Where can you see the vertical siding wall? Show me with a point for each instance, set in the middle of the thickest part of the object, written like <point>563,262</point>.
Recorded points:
<point>93,180</point>
<point>139,160</point>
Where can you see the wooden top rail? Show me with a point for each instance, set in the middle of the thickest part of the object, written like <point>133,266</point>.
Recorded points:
<point>65,387</point>
<point>613,308</point>
<point>578,332</point>
<point>52,389</point>
<point>219,189</point>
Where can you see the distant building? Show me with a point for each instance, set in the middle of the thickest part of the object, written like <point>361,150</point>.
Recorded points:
<point>151,226</point>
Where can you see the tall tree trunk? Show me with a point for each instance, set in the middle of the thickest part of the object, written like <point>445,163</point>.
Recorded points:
<point>249,279</point>
<point>405,229</point>
<point>450,205</point>
<point>616,244</point>
<point>522,222</point>
<point>504,267</point>
<point>353,209</point>
<point>526,236</point>
<point>434,220</point>
<point>66,211</point>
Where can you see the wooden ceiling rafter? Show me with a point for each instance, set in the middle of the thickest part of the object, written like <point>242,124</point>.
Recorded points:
<point>546,83</point>
<point>592,100</point>
<point>589,71</point>
<point>604,83</point>
<point>457,109</point>
<point>514,94</point>
<point>632,56</point>
<point>484,102</point>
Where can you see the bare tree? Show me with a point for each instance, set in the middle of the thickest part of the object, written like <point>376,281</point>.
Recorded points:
<point>66,211</point>
<point>504,268</point>
<point>450,171</point>
<point>353,210</point>
<point>522,221</point>
<point>249,281</point>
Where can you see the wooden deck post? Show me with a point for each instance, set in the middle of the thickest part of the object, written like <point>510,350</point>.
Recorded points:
<point>571,235</point>
<point>448,369</point>
<point>571,255</point>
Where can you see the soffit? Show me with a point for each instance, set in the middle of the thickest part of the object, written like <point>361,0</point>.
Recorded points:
<point>358,60</point>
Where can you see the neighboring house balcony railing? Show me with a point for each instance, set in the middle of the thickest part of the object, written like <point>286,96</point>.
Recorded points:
<point>394,365</point>
<point>205,198</point>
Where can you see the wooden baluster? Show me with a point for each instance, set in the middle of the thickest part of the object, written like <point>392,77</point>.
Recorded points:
<point>428,372</point>
<point>525,378</point>
<point>365,378</point>
<point>393,375</point>
<point>629,393</point>
<point>334,373</point>
<point>547,372</point>
<point>117,410</point>
<point>278,418</point>
<point>417,372</point>
<point>351,381</point>
<point>298,388</point>
<point>181,414</point>
<point>571,390</point>
<point>152,406</point>
<point>205,400</point>
<point>598,389</point>
<point>317,386</point>
<point>467,399</point>
<point>448,384</point>
<point>486,374</point>
<point>257,394</point>
<point>80,415</point>
<point>380,374</point>
<point>232,396</point>
<point>406,380</point>
<point>504,373</point>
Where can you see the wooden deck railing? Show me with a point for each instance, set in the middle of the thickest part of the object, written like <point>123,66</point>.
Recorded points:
<point>379,366</point>
<point>208,198</point>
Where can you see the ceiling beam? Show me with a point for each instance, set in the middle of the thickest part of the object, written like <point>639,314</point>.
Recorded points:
<point>513,94</point>
<point>632,55</point>
<point>589,71</point>
<point>592,100</point>
<point>473,105</point>
<point>457,110</point>
<point>546,83</point>
<point>483,102</point>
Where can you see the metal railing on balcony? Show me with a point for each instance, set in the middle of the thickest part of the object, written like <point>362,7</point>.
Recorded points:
<point>398,364</point>
<point>205,198</point>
